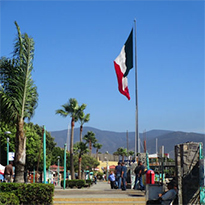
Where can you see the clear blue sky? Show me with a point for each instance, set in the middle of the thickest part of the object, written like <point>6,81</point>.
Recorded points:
<point>76,43</point>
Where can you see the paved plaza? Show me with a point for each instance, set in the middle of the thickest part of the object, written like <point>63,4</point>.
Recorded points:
<point>99,194</point>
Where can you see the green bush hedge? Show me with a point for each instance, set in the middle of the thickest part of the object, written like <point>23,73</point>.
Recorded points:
<point>8,198</point>
<point>78,183</point>
<point>89,182</point>
<point>30,193</point>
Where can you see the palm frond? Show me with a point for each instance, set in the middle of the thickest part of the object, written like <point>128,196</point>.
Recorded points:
<point>62,112</point>
<point>15,76</point>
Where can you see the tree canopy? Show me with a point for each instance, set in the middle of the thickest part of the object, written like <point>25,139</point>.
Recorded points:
<point>34,148</point>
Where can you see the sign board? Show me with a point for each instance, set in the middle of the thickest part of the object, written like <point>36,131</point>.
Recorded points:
<point>11,156</point>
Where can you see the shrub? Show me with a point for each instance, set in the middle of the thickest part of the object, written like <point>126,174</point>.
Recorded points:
<point>89,181</point>
<point>30,193</point>
<point>7,198</point>
<point>79,183</point>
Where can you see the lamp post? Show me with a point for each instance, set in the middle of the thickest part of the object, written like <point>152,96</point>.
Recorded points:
<point>44,154</point>
<point>58,169</point>
<point>107,168</point>
<point>64,173</point>
<point>7,133</point>
<point>7,150</point>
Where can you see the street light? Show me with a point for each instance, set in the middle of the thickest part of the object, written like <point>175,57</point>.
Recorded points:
<point>107,168</point>
<point>7,133</point>
<point>58,170</point>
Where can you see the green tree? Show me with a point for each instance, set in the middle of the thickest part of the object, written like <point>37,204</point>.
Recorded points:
<point>82,119</point>
<point>34,147</point>
<point>88,162</point>
<point>3,141</point>
<point>131,153</point>
<point>97,146</point>
<point>73,109</point>
<point>90,139</point>
<point>57,151</point>
<point>80,148</point>
<point>18,95</point>
<point>121,152</point>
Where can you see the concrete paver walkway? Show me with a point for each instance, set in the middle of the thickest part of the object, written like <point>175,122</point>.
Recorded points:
<point>99,194</point>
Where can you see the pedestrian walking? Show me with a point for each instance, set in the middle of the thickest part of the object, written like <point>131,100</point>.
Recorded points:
<point>118,170</point>
<point>95,179</point>
<point>8,172</point>
<point>25,176</point>
<point>139,171</point>
<point>124,176</point>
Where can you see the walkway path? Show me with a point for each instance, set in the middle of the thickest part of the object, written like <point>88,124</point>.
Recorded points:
<point>98,194</point>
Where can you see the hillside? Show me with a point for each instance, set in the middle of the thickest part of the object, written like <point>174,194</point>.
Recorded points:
<point>113,140</point>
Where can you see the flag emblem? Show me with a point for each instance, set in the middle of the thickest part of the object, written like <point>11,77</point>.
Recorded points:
<point>123,63</point>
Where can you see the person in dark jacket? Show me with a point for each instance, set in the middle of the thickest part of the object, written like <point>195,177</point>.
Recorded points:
<point>118,170</point>
<point>139,170</point>
<point>124,176</point>
<point>8,172</point>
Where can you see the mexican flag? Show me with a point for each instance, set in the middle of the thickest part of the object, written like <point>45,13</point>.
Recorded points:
<point>123,63</point>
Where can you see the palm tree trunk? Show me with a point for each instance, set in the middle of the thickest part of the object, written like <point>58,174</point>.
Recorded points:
<point>79,167</point>
<point>71,149</point>
<point>20,154</point>
<point>81,133</point>
<point>97,154</point>
<point>123,158</point>
<point>90,146</point>
<point>79,164</point>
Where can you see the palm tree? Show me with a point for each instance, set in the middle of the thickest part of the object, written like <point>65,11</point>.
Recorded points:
<point>83,119</point>
<point>97,146</point>
<point>80,148</point>
<point>122,152</point>
<point>18,95</point>
<point>73,109</point>
<point>90,139</point>
<point>131,153</point>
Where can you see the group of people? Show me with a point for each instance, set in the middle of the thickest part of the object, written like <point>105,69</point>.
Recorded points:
<point>163,198</point>
<point>118,178</point>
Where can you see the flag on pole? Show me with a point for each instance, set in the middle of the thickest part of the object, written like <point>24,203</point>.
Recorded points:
<point>123,63</point>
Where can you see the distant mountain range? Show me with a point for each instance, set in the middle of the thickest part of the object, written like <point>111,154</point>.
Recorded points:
<point>113,140</point>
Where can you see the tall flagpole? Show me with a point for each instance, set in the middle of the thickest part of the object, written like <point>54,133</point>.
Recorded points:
<point>137,142</point>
